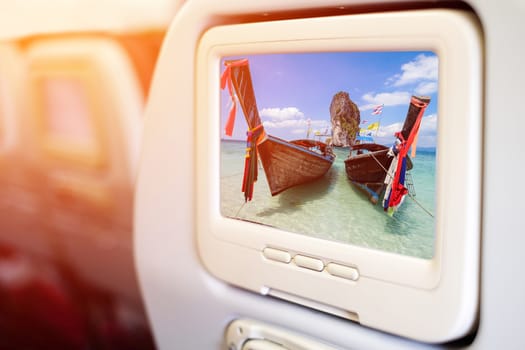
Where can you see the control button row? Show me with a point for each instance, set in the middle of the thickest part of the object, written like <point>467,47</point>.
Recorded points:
<point>307,262</point>
<point>342,271</point>
<point>277,255</point>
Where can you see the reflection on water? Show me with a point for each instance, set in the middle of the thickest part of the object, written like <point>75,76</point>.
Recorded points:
<point>296,197</point>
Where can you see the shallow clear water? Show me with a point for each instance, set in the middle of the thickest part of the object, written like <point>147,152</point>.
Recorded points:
<point>332,208</point>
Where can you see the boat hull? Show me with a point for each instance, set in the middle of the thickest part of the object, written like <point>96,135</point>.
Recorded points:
<point>369,169</point>
<point>287,164</point>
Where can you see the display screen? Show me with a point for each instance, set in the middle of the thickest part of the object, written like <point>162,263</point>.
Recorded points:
<point>339,146</point>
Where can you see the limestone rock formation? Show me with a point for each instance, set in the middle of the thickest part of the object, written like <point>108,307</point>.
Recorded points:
<point>345,118</point>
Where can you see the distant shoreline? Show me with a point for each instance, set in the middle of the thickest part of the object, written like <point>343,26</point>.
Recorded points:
<point>419,149</point>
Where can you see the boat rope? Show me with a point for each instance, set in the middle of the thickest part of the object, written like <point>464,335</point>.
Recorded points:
<point>410,195</point>
<point>421,205</point>
<point>238,211</point>
<point>381,165</point>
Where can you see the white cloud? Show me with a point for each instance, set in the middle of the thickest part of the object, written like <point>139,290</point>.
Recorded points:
<point>427,132</point>
<point>291,123</point>
<point>390,81</point>
<point>423,68</point>
<point>422,72</point>
<point>277,114</point>
<point>291,119</point>
<point>428,125</point>
<point>387,98</point>
<point>389,130</point>
<point>427,88</point>
<point>298,131</point>
<point>296,124</point>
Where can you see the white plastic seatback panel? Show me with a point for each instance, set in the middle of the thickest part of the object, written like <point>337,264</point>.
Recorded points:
<point>190,309</point>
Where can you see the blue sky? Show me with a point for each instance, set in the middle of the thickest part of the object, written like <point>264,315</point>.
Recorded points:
<point>293,90</point>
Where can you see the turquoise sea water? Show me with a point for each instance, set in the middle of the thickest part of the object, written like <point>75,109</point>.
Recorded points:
<point>332,208</point>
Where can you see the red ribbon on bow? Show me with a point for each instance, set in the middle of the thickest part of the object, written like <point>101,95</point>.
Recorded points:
<point>226,81</point>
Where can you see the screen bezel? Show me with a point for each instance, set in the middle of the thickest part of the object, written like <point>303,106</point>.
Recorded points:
<point>452,272</point>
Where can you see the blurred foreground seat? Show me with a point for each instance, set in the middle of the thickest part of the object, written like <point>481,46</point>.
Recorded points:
<point>70,125</point>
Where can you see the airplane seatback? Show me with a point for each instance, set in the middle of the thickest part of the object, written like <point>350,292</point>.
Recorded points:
<point>191,308</point>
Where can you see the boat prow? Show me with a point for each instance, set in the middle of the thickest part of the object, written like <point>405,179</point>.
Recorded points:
<point>286,163</point>
<point>375,168</point>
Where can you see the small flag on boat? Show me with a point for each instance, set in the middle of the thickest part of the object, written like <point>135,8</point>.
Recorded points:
<point>373,126</point>
<point>365,132</point>
<point>377,110</point>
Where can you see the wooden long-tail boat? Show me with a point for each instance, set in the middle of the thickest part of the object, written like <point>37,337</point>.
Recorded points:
<point>286,163</point>
<point>376,168</point>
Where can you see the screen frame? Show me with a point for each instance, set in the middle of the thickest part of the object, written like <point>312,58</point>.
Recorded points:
<point>446,284</point>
